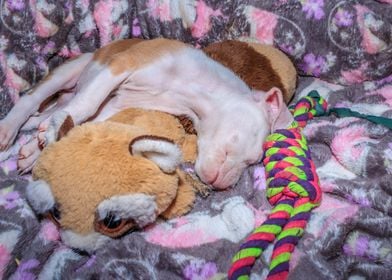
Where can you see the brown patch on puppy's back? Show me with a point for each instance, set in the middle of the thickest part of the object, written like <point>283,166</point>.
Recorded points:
<point>282,65</point>
<point>131,55</point>
<point>252,67</point>
<point>104,54</point>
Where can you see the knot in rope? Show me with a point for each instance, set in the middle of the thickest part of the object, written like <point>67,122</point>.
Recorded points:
<point>292,189</point>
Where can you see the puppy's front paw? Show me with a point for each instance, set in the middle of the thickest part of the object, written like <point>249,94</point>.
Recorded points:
<point>28,155</point>
<point>53,128</point>
<point>8,133</point>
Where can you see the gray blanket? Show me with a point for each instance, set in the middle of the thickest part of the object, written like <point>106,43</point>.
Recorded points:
<point>347,43</point>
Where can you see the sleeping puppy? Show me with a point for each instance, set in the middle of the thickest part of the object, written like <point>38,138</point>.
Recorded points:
<point>231,120</point>
<point>260,66</point>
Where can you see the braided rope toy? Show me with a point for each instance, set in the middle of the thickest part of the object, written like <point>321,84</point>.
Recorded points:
<point>292,189</point>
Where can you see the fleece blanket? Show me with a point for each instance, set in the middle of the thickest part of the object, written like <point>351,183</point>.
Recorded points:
<point>341,48</point>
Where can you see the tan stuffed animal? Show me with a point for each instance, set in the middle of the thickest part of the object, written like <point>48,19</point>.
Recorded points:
<point>104,179</point>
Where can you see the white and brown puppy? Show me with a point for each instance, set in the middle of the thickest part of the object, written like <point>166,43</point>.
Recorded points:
<point>231,120</point>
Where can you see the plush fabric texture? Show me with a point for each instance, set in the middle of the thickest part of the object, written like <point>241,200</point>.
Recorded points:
<point>347,43</point>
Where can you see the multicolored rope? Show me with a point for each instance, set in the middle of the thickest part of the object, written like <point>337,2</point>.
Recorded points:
<point>293,191</point>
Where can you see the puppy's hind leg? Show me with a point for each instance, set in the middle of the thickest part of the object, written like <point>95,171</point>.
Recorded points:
<point>63,77</point>
<point>90,95</point>
<point>34,121</point>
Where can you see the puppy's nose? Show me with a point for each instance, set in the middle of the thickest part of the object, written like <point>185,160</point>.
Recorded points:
<point>207,174</point>
<point>212,176</point>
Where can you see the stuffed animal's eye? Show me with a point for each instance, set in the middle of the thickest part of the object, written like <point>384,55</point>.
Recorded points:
<point>111,221</point>
<point>113,225</point>
<point>54,215</point>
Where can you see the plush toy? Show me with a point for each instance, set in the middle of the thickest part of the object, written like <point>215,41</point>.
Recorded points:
<point>106,179</point>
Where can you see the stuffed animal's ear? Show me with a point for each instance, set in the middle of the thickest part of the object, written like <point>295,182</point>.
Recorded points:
<point>40,196</point>
<point>160,150</point>
<point>278,114</point>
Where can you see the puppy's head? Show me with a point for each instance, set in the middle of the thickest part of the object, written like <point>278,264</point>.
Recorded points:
<point>227,147</point>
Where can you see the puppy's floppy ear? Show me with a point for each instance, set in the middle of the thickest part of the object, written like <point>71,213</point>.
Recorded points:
<point>278,114</point>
